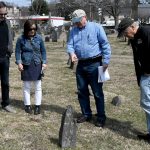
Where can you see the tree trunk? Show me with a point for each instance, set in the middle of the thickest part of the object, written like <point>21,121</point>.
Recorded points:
<point>116,18</point>
<point>134,9</point>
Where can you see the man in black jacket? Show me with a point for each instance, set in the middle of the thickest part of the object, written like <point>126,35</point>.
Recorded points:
<point>140,41</point>
<point>5,53</point>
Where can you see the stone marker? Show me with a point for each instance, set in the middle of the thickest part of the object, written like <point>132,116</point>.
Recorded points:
<point>68,128</point>
<point>54,35</point>
<point>116,101</point>
<point>46,39</point>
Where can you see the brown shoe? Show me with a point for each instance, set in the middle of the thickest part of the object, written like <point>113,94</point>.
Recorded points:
<point>145,137</point>
<point>83,119</point>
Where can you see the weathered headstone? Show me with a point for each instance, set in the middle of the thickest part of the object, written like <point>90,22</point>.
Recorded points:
<point>67,132</point>
<point>46,39</point>
<point>116,101</point>
<point>54,35</point>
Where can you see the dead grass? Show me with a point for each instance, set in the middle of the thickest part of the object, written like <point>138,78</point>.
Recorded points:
<point>28,132</point>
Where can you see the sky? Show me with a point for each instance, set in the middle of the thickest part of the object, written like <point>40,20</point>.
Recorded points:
<point>19,2</point>
<point>22,2</point>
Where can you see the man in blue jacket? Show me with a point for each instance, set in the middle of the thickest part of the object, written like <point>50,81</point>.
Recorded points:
<point>89,46</point>
<point>6,50</point>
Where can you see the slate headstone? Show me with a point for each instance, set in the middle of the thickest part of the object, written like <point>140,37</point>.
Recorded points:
<point>68,128</point>
<point>46,39</point>
<point>54,35</point>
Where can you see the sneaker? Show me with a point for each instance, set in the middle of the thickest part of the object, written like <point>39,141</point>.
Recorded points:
<point>9,109</point>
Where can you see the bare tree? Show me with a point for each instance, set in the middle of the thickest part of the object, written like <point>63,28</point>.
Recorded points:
<point>109,7</point>
<point>113,8</point>
<point>134,9</point>
<point>91,8</point>
<point>66,7</point>
<point>39,7</point>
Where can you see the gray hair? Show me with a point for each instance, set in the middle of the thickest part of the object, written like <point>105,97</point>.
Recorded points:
<point>136,24</point>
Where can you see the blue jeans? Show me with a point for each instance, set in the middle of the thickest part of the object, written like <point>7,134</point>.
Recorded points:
<point>4,74</point>
<point>87,74</point>
<point>145,98</point>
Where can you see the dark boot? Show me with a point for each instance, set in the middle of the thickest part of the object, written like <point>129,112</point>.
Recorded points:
<point>37,109</point>
<point>28,109</point>
<point>145,137</point>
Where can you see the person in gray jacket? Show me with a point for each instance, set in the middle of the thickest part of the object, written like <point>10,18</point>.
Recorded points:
<point>6,49</point>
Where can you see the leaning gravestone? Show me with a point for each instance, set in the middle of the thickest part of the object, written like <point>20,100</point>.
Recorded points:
<point>67,132</point>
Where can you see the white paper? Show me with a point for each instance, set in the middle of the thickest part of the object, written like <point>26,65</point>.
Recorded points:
<point>103,76</point>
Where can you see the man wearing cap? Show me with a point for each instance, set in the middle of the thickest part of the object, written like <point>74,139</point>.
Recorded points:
<point>89,46</point>
<point>140,41</point>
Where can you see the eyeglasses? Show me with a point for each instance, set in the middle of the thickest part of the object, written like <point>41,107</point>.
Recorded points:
<point>32,29</point>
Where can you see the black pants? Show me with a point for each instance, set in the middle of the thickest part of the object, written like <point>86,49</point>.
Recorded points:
<point>4,74</point>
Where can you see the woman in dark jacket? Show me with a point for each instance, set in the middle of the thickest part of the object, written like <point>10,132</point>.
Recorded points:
<point>30,56</point>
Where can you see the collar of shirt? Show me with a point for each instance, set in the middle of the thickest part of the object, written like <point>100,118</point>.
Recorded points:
<point>84,27</point>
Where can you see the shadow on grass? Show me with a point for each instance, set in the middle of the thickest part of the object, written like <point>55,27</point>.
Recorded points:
<point>17,103</point>
<point>54,141</point>
<point>52,108</point>
<point>58,109</point>
<point>123,128</point>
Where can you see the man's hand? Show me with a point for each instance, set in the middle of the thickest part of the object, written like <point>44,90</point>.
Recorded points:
<point>105,66</point>
<point>74,57</point>
<point>20,67</point>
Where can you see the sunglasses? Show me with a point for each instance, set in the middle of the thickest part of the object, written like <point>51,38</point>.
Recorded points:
<point>3,14</point>
<point>32,29</point>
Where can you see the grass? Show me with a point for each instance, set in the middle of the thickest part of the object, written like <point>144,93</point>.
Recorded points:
<point>21,131</point>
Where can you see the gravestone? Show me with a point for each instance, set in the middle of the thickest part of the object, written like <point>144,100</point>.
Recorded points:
<point>54,35</point>
<point>116,101</point>
<point>68,128</point>
<point>46,39</point>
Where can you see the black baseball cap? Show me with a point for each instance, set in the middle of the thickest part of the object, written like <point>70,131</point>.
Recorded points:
<point>124,24</point>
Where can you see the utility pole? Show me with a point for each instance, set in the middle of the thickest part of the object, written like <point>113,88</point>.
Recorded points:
<point>91,3</point>
<point>32,6</point>
<point>91,18</point>
<point>50,23</point>
<point>100,14</point>
<point>31,3</point>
